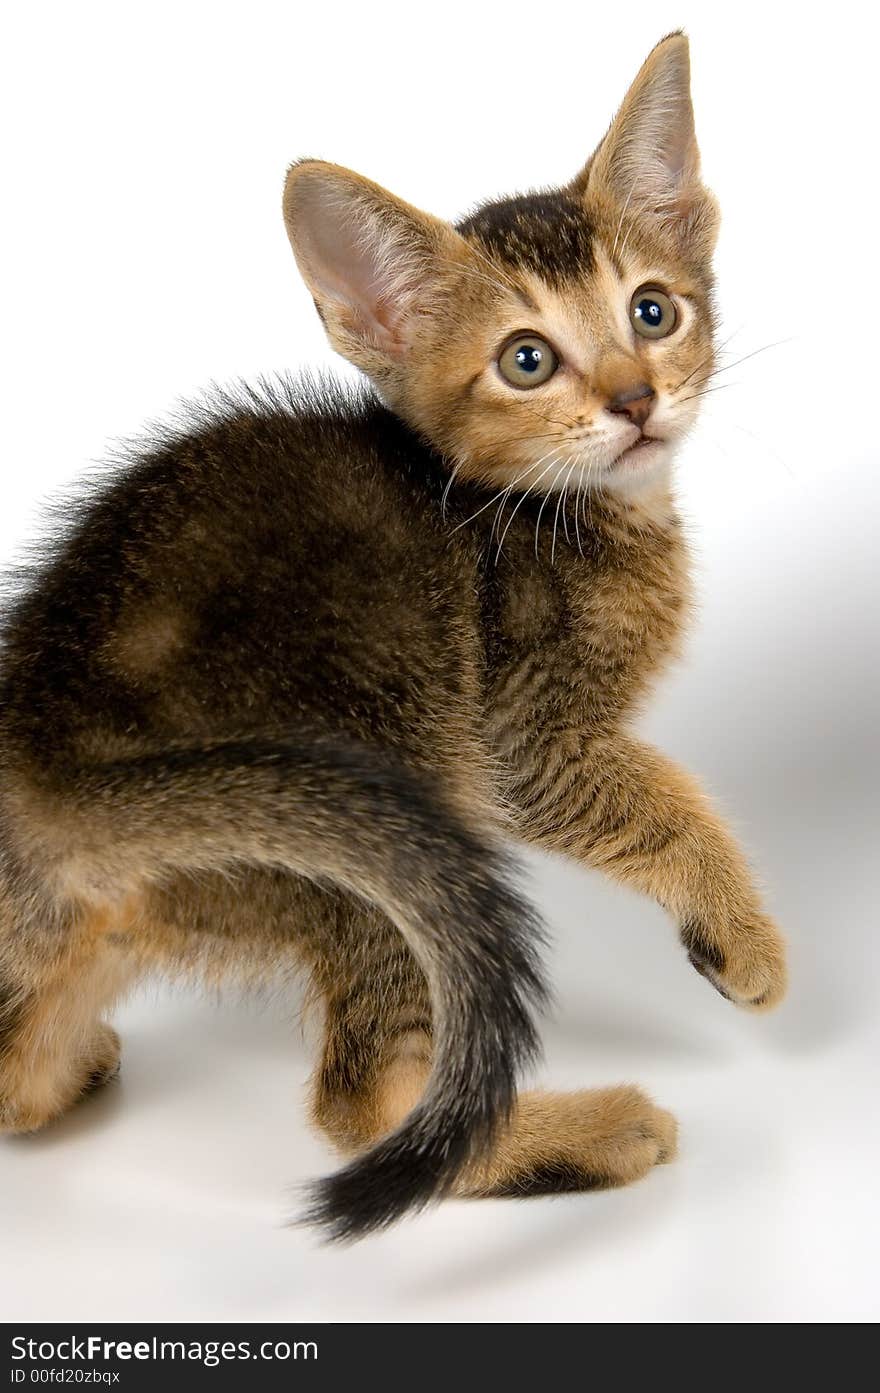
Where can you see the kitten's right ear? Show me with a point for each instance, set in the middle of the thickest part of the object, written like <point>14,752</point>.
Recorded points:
<point>373,264</point>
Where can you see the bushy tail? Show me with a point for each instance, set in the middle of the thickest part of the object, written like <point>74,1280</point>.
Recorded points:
<point>351,815</point>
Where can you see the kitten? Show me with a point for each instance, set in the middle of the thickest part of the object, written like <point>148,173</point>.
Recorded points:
<point>290,679</point>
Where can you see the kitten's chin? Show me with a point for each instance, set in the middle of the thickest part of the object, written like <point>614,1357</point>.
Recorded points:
<point>644,468</point>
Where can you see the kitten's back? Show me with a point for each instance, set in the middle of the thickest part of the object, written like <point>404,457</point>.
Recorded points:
<point>284,560</point>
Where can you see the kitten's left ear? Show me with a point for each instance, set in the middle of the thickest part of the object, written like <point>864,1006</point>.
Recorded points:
<point>648,165</point>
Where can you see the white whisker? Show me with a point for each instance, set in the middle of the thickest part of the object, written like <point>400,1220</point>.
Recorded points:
<point>494,498</point>
<point>564,499</point>
<point>556,525</point>
<point>775,453</point>
<point>538,523</point>
<point>632,189</point>
<point>644,204</point>
<point>499,511</point>
<point>736,362</point>
<point>577,499</point>
<point>521,502</point>
<point>508,284</point>
<point>449,482</point>
<point>716,352</point>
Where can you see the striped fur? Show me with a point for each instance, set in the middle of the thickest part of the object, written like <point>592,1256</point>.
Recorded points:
<point>288,676</point>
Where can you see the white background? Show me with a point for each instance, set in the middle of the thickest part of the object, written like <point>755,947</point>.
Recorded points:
<point>143,254</point>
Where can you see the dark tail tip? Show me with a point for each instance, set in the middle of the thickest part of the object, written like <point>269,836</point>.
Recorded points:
<point>402,1174</point>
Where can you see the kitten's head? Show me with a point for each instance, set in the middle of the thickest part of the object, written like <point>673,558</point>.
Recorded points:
<point>546,336</point>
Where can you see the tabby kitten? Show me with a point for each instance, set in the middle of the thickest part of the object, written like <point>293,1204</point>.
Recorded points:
<point>290,679</point>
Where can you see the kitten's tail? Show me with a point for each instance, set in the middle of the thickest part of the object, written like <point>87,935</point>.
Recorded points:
<point>357,818</point>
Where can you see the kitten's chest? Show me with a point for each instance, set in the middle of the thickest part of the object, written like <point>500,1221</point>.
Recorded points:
<point>573,644</point>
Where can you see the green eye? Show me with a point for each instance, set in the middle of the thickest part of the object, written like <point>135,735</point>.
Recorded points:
<point>652,313</point>
<point>527,361</point>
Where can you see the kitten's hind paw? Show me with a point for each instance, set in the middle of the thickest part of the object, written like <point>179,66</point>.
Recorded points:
<point>560,1142</point>
<point>32,1096</point>
<point>106,1065</point>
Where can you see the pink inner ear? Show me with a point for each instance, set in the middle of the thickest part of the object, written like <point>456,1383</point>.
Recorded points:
<point>349,257</point>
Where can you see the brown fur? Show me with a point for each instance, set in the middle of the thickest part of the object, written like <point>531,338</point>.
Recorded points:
<point>278,695</point>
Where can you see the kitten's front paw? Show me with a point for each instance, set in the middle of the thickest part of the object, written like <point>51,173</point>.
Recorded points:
<point>745,964</point>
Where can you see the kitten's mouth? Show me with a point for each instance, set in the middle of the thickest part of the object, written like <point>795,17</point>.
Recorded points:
<point>640,451</point>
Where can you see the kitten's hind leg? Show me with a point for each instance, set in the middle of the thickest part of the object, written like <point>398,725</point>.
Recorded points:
<point>59,972</point>
<point>377,1057</point>
<point>377,1027</point>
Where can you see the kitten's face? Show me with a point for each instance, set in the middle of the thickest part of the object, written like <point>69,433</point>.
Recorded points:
<point>549,340</point>
<point>571,349</point>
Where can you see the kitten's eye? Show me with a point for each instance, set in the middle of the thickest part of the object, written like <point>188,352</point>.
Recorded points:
<point>527,361</point>
<point>652,313</point>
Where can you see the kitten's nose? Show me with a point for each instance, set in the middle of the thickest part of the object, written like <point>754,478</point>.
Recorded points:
<point>636,402</point>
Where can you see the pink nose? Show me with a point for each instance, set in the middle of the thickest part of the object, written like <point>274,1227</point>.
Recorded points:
<point>636,402</point>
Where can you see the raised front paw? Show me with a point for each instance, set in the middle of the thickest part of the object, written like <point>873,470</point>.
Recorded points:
<point>745,963</point>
